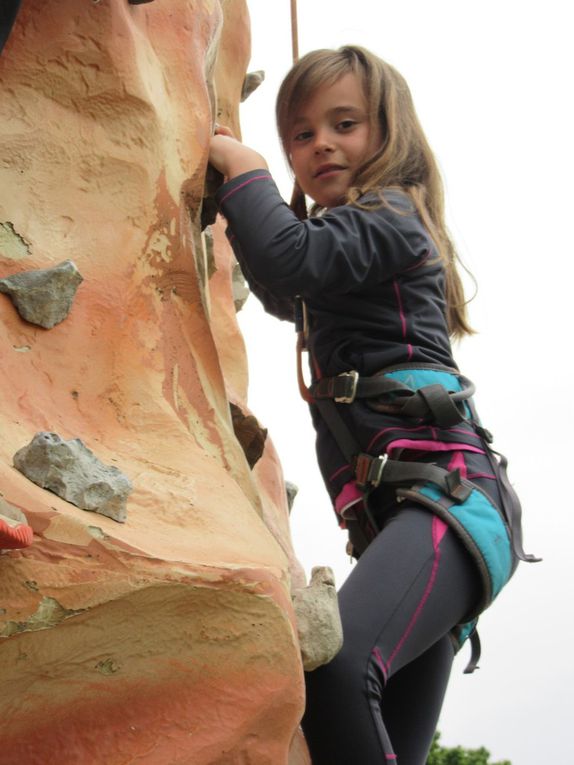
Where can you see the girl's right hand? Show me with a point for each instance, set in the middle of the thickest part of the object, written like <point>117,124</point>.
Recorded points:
<point>230,156</point>
<point>223,130</point>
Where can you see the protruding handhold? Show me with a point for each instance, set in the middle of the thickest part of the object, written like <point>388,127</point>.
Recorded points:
<point>318,620</point>
<point>209,248</point>
<point>239,287</point>
<point>43,297</point>
<point>291,490</point>
<point>73,472</point>
<point>249,433</point>
<point>251,82</point>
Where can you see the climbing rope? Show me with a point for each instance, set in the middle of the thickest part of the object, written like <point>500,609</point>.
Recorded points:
<point>294,34</point>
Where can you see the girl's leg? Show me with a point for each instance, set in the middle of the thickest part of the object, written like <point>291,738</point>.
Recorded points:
<point>412,701</point>
<point>411,586</point>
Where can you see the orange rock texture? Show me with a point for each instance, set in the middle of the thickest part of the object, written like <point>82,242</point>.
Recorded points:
<point>169,638</point>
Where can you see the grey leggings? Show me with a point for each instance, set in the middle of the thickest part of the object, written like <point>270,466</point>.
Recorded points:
<point>379,700</point>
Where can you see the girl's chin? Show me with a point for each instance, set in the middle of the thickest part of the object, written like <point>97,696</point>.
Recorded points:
<point>329,202</point>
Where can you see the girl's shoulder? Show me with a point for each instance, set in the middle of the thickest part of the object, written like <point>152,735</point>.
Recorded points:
<point>389,206</point>
<point>391,198</point>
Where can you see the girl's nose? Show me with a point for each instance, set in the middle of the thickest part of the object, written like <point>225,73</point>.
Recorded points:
<point>323,142</point>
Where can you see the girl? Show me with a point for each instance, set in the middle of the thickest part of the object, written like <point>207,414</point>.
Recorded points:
<point>371,278</point>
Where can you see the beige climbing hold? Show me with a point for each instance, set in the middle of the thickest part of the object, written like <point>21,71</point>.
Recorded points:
<point>318,620</point>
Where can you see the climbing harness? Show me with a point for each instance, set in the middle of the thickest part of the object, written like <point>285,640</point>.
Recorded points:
<point>422,394</point>
<point>432,404</point>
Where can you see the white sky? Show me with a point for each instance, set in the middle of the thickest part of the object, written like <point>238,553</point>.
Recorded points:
<point>492,85</point>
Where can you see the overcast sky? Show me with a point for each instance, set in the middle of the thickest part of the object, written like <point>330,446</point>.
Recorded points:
<point>492,86</point>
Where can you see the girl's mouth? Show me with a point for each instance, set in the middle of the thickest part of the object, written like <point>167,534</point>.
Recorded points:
<point>326,170</point>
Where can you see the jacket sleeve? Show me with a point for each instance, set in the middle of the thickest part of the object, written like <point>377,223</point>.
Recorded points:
<point>281,307</point>
<point>339,252</point>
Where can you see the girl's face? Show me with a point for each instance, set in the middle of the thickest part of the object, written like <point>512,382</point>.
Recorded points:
<point>330,139</point>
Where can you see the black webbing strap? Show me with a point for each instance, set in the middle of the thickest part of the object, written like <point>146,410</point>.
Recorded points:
<point>349,385</point>
<point>475,651</point>
<point>436,401</point>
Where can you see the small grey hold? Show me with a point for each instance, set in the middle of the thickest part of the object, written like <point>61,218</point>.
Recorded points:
<point>291,490</point>
<point>73,472</point>
<point>209,251</point>
<point>44,297</point>
<point>318,620</point>
<point>239,287</point>
<point>251,82</point>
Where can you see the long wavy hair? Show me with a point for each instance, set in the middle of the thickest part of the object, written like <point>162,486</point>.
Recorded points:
<point>404,160</point>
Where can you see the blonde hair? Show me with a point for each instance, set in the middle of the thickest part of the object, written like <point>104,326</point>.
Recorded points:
<point>404,160</point>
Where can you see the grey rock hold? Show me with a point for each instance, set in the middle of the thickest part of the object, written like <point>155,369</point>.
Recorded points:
<point>44,297</point>
<point>209,249</point>
<point>291,491</point>
<point>318,620</point>
<point>239,287</point>
<point>73,472</point>
<point>251,82</point>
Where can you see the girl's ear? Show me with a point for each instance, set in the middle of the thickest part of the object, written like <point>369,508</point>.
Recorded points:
<point>298,203</point>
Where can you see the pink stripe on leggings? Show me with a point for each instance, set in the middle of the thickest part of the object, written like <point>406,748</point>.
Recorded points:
<point>439,528</point>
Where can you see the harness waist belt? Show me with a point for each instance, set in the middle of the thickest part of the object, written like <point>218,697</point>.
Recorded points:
<point>444,407</point>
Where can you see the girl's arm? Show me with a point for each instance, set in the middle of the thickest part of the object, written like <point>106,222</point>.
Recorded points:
<point>231,157</point>
<point>346,248</point>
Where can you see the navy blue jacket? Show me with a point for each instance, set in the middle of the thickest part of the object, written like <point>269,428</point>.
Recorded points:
<point>372,283</point>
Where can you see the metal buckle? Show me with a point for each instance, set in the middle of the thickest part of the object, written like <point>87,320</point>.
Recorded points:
<point>369,470</point>
<point>376,469</point>
<point>354,375</point>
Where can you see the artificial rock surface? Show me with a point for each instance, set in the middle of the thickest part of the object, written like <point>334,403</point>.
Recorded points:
<point>169,638</point>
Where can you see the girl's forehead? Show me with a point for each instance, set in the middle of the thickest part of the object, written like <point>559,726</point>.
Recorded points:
<point>344,94</point>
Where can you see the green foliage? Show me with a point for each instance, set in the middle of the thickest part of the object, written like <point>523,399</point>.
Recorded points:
<point>440,755</point>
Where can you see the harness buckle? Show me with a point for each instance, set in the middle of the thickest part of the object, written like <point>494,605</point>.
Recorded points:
<point>369,470</point>
<point>349,396</point>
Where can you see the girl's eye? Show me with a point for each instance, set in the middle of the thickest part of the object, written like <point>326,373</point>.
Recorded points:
<point>346,124</point>
<point>302,136</point>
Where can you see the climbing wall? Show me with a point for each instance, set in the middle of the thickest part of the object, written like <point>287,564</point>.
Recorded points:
<point>150,619</point>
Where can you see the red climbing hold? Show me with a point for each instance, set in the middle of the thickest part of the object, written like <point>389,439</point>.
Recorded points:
<point>14,534</point>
